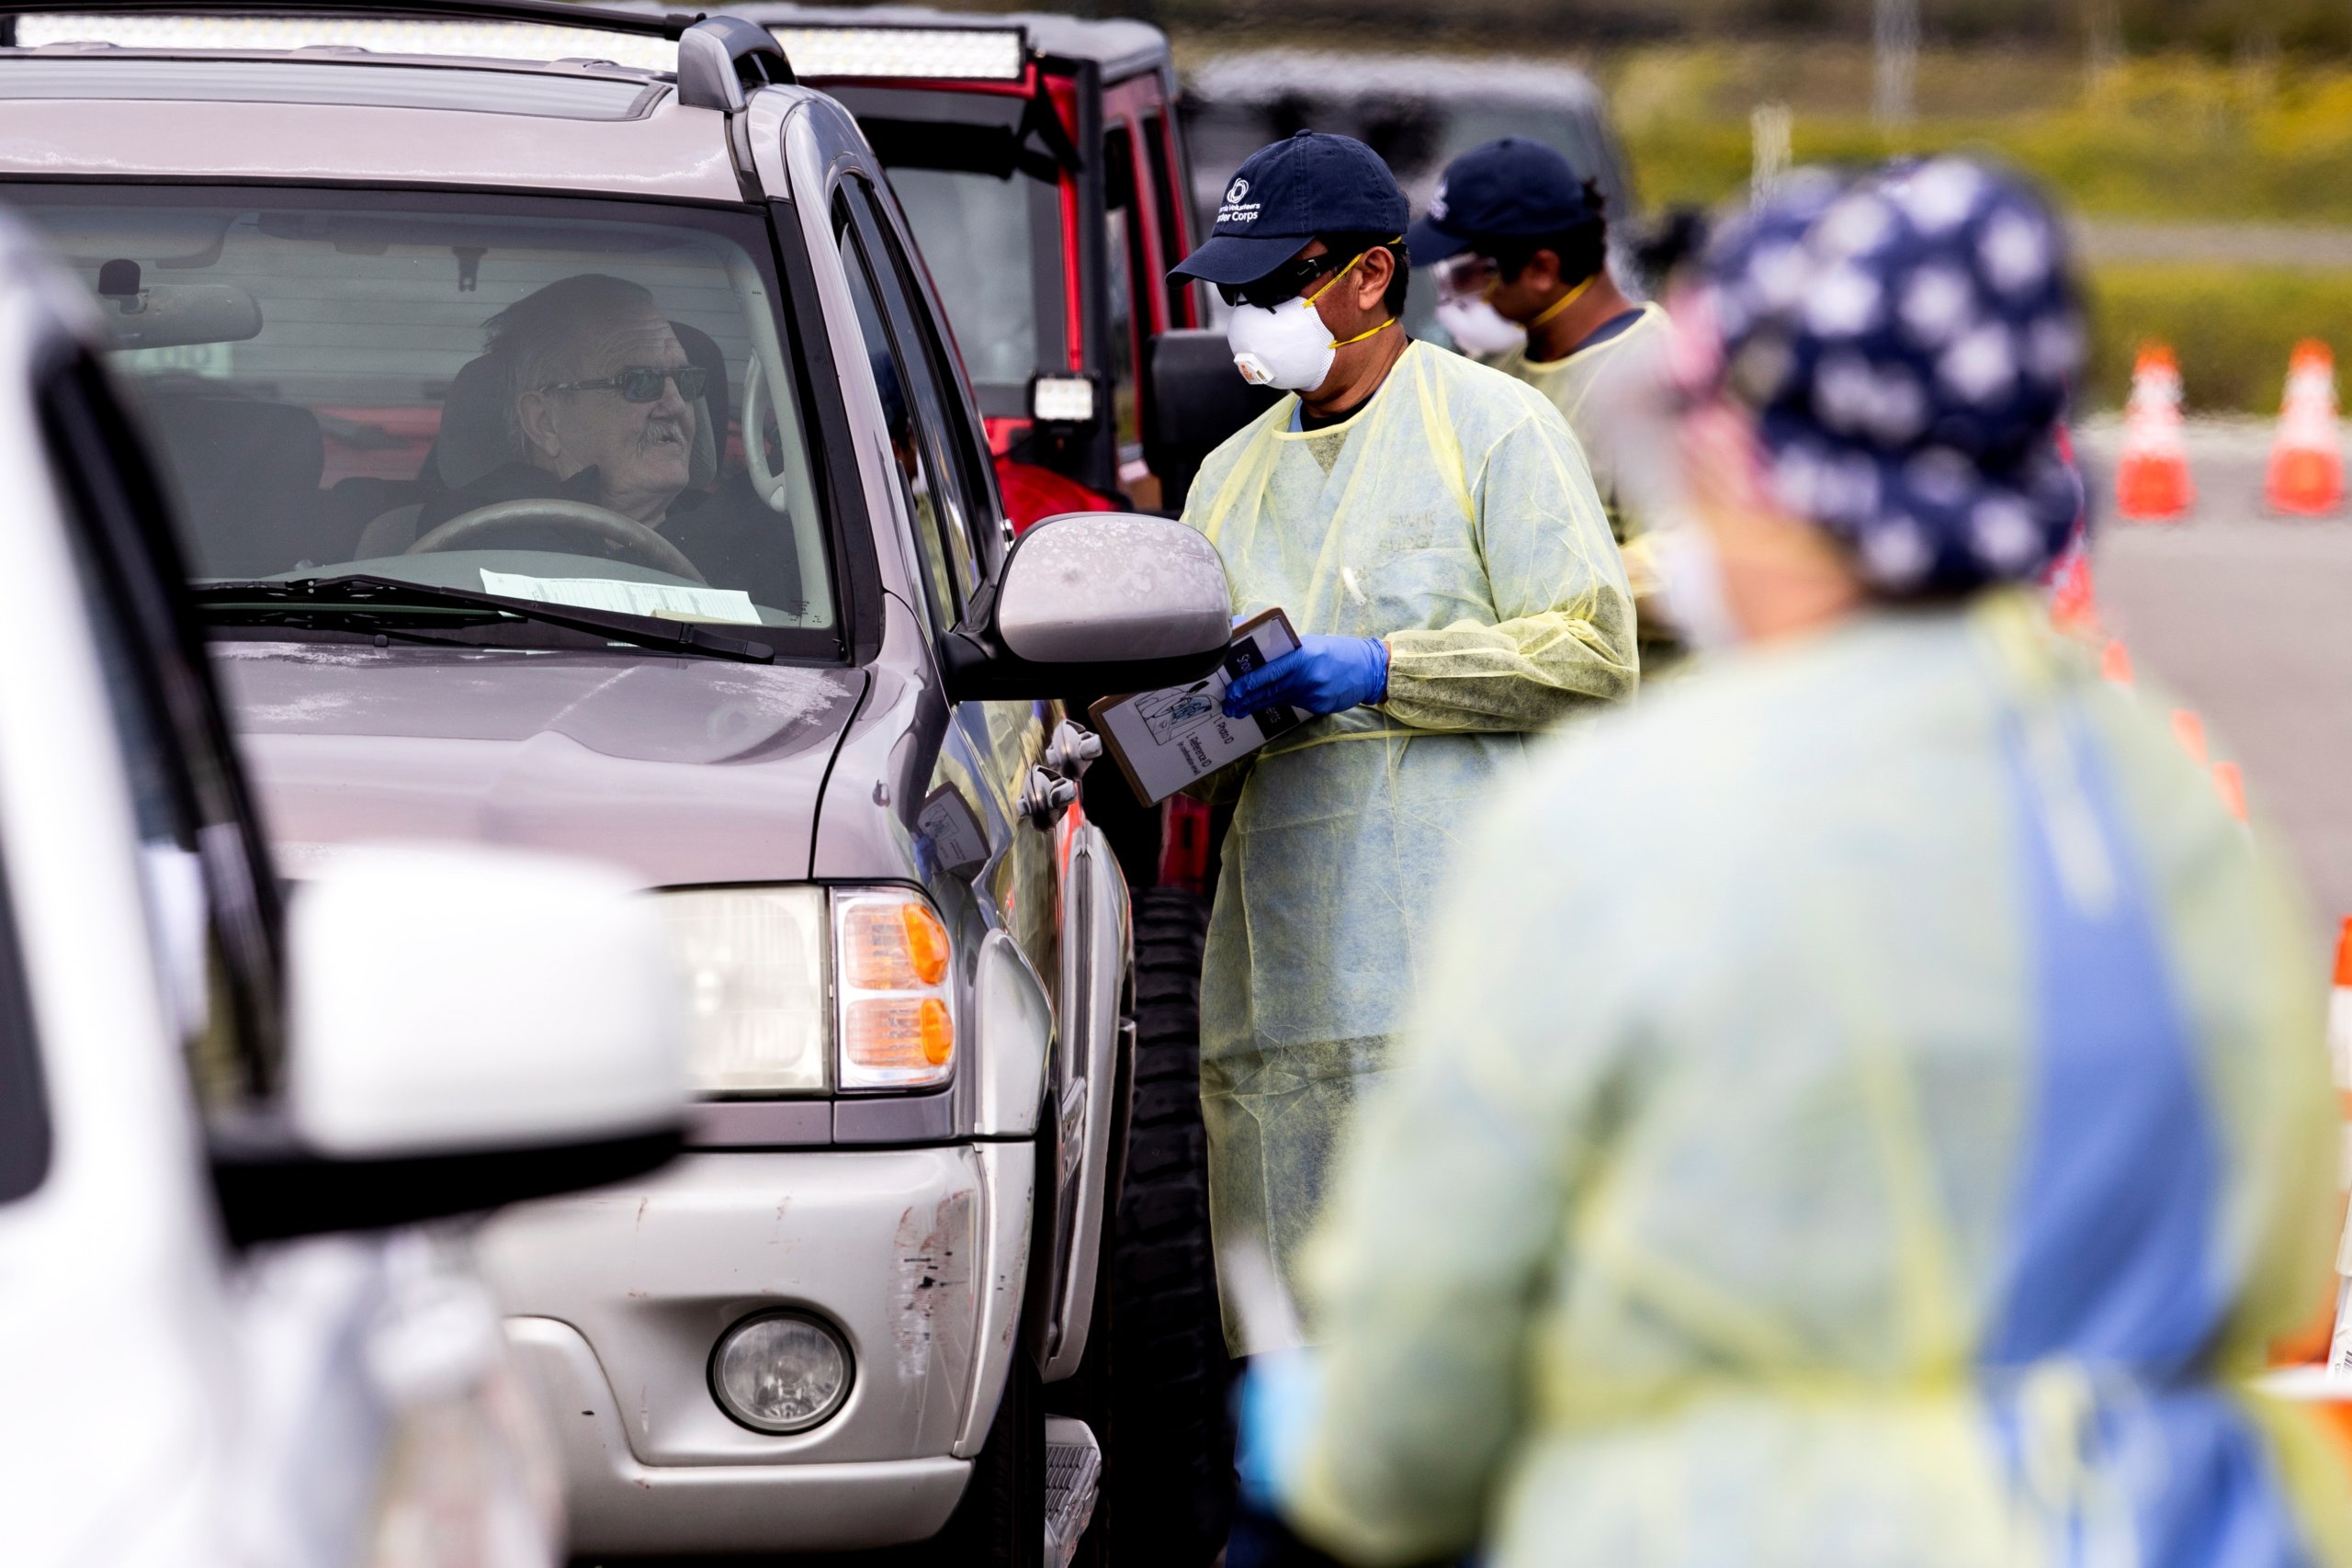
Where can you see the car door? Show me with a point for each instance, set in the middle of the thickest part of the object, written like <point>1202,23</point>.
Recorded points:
<point>1057,884</point>
<point>958,536</point>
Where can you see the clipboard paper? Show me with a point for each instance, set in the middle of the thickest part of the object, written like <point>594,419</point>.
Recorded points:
<point>1166,739</point>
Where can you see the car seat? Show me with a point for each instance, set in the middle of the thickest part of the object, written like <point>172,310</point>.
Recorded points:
<point>245,473</point>
<point>476,442</point>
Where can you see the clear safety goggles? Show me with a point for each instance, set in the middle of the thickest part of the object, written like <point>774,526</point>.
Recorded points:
<point>1467,275</point>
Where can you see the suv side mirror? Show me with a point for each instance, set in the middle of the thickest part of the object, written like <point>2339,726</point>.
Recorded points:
<point>1094,602</point>
<point>466,1028</point>
<point>1197,400</point>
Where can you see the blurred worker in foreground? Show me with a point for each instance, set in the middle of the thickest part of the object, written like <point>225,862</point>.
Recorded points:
<point>1519,246</point>
<point>1431,532</point>
<point>1869,1108</point>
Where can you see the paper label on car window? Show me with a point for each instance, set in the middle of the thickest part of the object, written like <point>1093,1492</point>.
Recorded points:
<point>674,601</point>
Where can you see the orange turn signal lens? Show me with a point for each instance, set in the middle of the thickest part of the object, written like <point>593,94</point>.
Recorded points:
<point>926,942</point>
<point>893,945</point>
<point>899,1033</point>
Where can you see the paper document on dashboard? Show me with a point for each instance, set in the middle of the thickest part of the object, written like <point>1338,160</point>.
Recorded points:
<point>670,601</point>
<point>1165,740</point>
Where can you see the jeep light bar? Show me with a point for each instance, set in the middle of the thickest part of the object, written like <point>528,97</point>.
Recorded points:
<point>380,35</point>
<point>934,54</point>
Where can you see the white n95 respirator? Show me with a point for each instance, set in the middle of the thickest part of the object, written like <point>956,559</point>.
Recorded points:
<point>1287,345</point>
<point>1478,329</point>
<point>1284,345</point>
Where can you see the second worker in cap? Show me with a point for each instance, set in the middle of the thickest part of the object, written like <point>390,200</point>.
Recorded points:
<point>1519,245</point>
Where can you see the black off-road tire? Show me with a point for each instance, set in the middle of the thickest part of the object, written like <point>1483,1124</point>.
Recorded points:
<point>1000,1523</point>
<point>1169,1481</point>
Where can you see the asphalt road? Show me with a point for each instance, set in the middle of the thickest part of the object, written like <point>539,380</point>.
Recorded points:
<point>2246,618</point>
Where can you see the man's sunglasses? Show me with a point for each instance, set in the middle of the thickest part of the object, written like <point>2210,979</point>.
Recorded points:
<point>641,383</point>
<point>1285,283</point>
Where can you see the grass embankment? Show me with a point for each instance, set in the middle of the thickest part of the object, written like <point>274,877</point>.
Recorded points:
<point>2232,328</point>
<point>2172,140</point>
<point>2175,141</point>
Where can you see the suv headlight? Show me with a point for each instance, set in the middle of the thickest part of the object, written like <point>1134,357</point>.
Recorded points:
<point>795,989</point>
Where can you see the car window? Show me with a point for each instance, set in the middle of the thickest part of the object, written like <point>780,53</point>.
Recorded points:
<point>918,468</point>
<point>24,1101</point>
<point>929,372</point>
<point>1123,276</point>
<point>351,380</point>
<point>212,903</point>
<point>1160,164</point>
<point>1163,165</point>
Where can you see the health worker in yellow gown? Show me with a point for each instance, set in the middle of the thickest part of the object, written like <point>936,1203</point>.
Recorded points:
<point>1870,1104</point>
<point>1430,528</point>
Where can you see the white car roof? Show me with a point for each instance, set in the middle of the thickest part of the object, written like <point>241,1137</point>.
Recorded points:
<point>400,121</point>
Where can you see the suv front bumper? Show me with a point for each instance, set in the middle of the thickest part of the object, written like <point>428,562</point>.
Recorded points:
<point>616,1298</point>
<point>619,1503</point>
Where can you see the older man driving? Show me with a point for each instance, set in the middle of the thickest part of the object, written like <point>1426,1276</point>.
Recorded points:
<point>605,404</point>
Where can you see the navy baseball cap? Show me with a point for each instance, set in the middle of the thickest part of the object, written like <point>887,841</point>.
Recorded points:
<point>1288,193</point>
<point>1509,189</point>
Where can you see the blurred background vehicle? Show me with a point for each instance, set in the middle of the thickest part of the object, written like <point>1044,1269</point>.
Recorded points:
<point>222,1122</point>
<point>1418,113</point>
<point>872,1305</point>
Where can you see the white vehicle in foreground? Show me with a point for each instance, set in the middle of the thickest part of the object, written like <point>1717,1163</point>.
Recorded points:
<point>196,1094</point>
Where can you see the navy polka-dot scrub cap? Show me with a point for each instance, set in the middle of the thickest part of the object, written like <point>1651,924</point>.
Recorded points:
<point>1906,339</point>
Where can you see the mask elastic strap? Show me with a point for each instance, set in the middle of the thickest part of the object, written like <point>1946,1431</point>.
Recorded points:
<point>1564,302</point>
<point>1343,342</point>
<point>1343,272</point>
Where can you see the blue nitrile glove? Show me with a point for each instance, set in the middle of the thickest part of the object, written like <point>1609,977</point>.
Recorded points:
<point>1281,1394</point>
<point>1323,674</point>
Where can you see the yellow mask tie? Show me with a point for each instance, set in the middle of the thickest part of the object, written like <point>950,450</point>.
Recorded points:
<point>1564,302</point>
<point>1342,342</point>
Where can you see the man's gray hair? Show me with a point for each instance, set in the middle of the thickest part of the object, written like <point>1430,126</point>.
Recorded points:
<point>538,340</point>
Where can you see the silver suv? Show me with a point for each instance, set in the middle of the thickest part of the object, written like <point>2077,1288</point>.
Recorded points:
<point>219,1126</point>
<point>573,455</point>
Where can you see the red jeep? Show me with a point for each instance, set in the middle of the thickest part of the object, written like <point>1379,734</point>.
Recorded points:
<point>1038,158</point>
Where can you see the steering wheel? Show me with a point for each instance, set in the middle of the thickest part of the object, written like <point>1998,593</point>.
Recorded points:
<point>765,480</point>
<point>648,546</point>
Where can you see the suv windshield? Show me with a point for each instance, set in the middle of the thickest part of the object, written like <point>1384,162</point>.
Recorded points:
<point>585,404</point>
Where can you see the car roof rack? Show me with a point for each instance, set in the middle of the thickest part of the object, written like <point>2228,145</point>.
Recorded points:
<point>718,58</point>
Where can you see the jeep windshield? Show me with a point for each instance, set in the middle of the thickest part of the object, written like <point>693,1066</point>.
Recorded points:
<point>590,405</point>
<point>984,197</point>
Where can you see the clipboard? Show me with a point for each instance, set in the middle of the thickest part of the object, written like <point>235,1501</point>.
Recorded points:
<point>1167,738</point>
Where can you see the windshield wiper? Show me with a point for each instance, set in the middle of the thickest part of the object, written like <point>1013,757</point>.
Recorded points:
<point>359,596</point>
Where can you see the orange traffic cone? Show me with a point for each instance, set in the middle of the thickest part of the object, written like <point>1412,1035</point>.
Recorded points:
<point>2306,477</point>
<point>2339,1016</point>
<point>2189,730</point>
<point>2326,1336</point>
<point>2229,783</point>
<point>2152,474</point>
<point>2115,662</point>
<point>2339,1051</point>
<point>2073,605</point>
